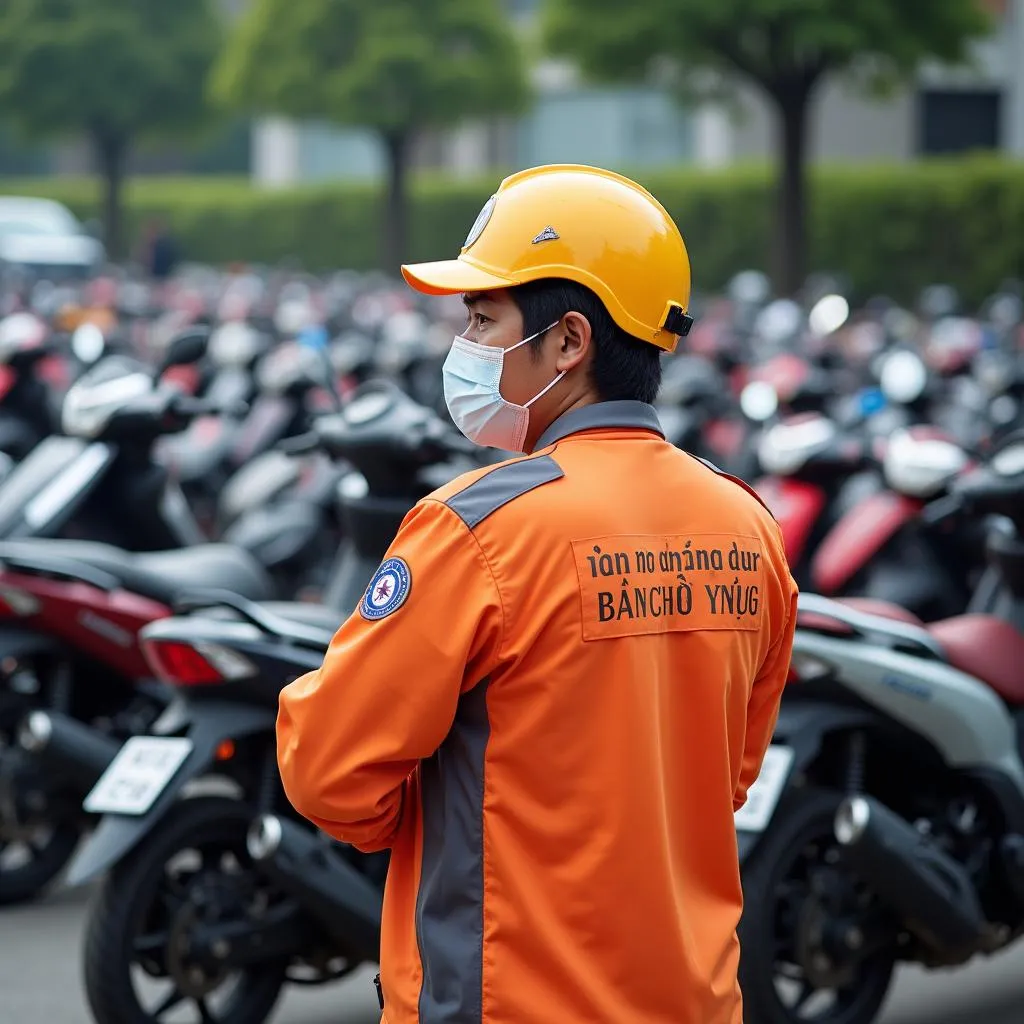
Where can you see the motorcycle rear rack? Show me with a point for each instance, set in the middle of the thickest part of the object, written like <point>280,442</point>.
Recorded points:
<point>267,622</point>
<point>900,635</point>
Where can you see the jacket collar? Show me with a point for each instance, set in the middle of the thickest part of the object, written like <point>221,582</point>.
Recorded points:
<point>626,415</point>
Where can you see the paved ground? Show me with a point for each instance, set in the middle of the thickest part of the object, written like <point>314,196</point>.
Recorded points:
<point>39,981</point>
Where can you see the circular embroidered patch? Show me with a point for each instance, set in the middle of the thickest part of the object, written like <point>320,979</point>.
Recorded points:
<point>387,591</point>
<point>482,220</point>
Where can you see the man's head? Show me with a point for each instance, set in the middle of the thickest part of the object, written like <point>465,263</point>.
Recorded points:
<point>588,261</point>
<point>600,361</point>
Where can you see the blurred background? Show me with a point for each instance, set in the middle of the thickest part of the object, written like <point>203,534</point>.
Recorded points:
<point>211,374</point>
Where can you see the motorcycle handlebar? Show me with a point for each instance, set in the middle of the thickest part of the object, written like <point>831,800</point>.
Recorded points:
<point>942,510</point>
<point>186,405</point>
<point>300,445</point>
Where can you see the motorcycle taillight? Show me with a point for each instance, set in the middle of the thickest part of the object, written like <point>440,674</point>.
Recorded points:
<point>198,664</point>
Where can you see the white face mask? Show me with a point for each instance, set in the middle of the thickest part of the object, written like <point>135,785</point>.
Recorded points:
<point>472,392</point>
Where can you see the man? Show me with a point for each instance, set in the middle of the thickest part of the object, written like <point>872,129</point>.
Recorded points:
<point>565,673</point>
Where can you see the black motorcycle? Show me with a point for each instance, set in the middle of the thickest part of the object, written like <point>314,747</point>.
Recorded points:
<point>194,897</point>
<point>887,824</point>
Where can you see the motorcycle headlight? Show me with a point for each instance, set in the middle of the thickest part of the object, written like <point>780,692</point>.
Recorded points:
<point>87,409</point>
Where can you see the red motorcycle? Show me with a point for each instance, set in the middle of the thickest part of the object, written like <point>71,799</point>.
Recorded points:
<point>70,647</point>
<point>882,548</point>
<point>815,474</point>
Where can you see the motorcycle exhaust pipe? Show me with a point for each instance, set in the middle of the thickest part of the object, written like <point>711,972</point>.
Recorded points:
<point>67,745</point>
<point>325,885</point>
<point>932,893</point>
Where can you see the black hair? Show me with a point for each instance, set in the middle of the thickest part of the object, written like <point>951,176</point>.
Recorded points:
<point>622,367</point>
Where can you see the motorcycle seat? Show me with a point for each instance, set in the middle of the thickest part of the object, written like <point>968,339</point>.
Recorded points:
<point>306,613</point>
<point>160,575</point>
<point>865,605</point>
<point>988,649</point>
<point>883,609</point>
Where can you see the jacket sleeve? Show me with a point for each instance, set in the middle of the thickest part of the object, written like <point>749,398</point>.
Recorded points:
<point>765,698</point>
<point>350,734</point>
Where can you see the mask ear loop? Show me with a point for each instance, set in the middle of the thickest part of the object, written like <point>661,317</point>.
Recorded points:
<point>541,394</point>
<point>520,344</point>
<point>544,391</point>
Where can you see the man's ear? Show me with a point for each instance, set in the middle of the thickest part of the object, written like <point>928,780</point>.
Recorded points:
<point>575,338</point>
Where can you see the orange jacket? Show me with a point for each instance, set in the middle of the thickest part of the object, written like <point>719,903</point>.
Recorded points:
<point>554,695</point>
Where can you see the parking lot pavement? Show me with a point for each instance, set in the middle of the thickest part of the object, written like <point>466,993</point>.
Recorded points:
<point>40,981</point>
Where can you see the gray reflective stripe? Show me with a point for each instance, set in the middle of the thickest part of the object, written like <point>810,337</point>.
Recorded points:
<point>735,479</point>
<point>630,415</point>
<point>450,902</point>
<point>502,485</point>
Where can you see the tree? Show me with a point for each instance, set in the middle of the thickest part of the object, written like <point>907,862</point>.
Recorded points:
<point>116,70</point>
<point>393,66</point>
<point>785,48</point>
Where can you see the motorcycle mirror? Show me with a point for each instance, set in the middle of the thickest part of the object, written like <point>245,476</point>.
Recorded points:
<point>759,401</point>
<point>779,321</point>
<point>749,287</point>
<point>939,300</point>
<point>87,343</point>
<point>903,377</point>
<point>828,314</point>
<point>1009,461</point>
<point>186,348</point>
<point>314,337</point>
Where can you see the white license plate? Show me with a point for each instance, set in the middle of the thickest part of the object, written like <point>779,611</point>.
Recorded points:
<point>764,794</point>
<point>138,775</point>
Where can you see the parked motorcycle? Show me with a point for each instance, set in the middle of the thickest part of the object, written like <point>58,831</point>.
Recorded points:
<point>887,824</point>
<point>284,903</point>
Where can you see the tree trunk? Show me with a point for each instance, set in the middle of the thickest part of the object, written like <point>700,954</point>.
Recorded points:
<point>110,150</point>
<point>396,203</point>
<point>792,109</point>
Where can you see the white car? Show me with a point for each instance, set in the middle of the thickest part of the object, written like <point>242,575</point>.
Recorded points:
<point>45,238</point>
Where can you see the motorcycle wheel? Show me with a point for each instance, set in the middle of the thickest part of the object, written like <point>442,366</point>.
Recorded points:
<point>48,847</point>
<point>794,888</point>
<point>37,835</point>
<point>143,914</point>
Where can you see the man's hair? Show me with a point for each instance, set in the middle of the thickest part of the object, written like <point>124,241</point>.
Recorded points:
<point>622,367</point>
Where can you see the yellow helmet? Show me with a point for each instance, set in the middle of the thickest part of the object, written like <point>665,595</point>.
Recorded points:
<point>582,224</point>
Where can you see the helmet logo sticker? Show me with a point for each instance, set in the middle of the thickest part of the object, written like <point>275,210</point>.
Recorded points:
<point>549,234</point>
<point>482,219</point>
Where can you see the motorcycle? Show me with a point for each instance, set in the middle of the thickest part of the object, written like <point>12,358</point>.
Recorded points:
<point>883,547</point>
<point>887,824</point>
<point>99,479</point>
<point>74,684</point>
<point>278,902</point>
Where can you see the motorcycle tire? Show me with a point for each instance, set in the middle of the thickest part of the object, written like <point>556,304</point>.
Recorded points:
<point>802,827</point>
<point>27,881</point>
<point>129,895</point>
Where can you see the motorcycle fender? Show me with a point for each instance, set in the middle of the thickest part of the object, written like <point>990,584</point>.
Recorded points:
<point>803,728</point>
<point>118,834</point>
<point>858,537</point>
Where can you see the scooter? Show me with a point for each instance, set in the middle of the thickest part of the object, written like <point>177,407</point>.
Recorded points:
<point>887,824</point>
<point>292,906</point>
<point>72,612</point>
<point>99,480</point>
<point>882,547</point>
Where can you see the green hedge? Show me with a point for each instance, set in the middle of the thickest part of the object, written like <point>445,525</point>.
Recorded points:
<point>892,229</point>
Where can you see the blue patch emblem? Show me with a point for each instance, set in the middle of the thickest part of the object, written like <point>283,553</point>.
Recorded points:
<point>387,591</point>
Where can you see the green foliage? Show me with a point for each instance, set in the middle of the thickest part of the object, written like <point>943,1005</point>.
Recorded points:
<point>389,65</point>
<point>771,42</point>
<point>119,68</point>
<point>891,229</point>
<point>783,47</point>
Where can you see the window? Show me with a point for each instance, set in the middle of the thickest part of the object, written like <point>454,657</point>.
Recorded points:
<point>955,120</point>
